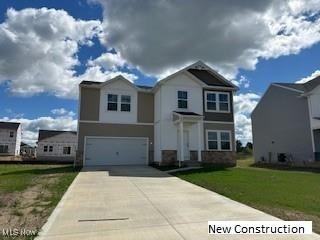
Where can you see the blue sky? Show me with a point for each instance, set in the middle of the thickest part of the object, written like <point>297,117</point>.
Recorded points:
<point>122,37</point>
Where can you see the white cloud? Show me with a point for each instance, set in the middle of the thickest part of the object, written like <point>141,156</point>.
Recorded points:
<point>30,127</point>
<point>308,78</point>
<point>38,50</point>
<point>244,103</point>
<point>156,36</point>
<point>108,61</point>
<point>97,73</point>
<point>62,111</point>
<point>241,82</point>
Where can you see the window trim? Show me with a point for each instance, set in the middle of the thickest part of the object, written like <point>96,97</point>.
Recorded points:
<point>45,148</point>
<point>182,99</point>
<point>117,102</point>
<point>125,103</point>
<point>217,93</point>
<point>218,140</point>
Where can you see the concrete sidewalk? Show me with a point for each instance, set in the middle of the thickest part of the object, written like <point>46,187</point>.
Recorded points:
<point>143,203</point>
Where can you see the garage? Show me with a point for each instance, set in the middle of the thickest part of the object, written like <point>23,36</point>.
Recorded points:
<point>115,151</point>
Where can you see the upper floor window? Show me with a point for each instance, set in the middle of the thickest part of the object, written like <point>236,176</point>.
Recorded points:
<point>182,99</point>
<point>11,134</point>
<point>50,148</point>
<point>219,140</point>
<point>45,148</point>
<point>112,102</point>
<point>217,101</point>
<point>125,103</point>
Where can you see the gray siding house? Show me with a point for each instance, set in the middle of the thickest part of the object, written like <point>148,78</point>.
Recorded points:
<point>185,118</point>
<point>286,124</point>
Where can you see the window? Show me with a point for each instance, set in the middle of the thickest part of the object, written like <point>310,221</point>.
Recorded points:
<point>67,150</point>
<point>219,140</point>
<point>50,148</point>
<point>217,102</point>
<point>4,149</point>
<point>224,102</point>
<point>112,102</point>
<point>125,103</point>
<point>212,140</point>
<point>11,134</point>
<point>225,140</point>
<point>182,99</point>
<point>211,101</point>
<point>45,148</point>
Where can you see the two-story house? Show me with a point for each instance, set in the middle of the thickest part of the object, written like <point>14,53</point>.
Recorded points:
<point>57,146</point>
<point>10,138</point>
<point>186,117</point>
<point>286,123</point>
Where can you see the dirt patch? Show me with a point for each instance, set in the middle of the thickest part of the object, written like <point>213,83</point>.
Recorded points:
<point>27,209</point>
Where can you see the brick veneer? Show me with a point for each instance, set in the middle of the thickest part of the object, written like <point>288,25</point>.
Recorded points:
<point>221,158</point>
<point>169,157</point>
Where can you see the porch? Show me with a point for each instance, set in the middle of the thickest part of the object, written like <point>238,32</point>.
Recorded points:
<point>184,121</point>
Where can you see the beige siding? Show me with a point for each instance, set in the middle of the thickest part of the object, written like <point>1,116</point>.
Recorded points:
<point>219,126</point>
<point>89,104</point>
<point>145,107</point>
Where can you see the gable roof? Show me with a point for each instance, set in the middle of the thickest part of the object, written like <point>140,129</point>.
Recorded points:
<point>203,74</point>
<point>208,78</point>
<point>9,125</point>
<point>198,71</point>
<point>119,77</point>
<point>303,87</point>
<point>43,134</point>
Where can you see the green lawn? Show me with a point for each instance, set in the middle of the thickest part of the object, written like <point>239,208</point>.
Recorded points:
<point>29,193</point>
<point>288,194</point>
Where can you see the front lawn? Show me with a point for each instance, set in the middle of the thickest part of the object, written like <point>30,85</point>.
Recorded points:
<point>287,194</point>
<point>29,193</point>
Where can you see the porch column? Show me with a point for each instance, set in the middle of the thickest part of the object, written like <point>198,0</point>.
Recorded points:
<point>181,143</point>
<point>199,141</point>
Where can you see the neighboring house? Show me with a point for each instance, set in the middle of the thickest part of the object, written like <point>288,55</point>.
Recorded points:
<point>286,123</point>
<point>26,150</point>
<point>10,138</point>
<point>186,117</point>
<point>56,145</point>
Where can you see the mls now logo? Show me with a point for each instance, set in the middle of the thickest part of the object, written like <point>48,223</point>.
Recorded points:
<point>16,232</point>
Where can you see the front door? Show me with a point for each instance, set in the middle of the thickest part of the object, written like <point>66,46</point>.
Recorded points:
<point>186,145</point>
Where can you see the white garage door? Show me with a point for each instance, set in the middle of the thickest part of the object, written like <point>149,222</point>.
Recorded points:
<point>115,151</point>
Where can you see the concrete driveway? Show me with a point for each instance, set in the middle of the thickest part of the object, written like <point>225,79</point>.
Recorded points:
<point>142,203</point>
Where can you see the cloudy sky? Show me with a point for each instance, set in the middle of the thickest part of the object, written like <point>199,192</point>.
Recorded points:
<point>48,47</point>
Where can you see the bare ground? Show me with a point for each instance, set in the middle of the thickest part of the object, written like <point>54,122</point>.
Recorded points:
<point>27,209</point>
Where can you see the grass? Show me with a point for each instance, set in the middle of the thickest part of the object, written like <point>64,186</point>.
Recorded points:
<point>29,193</point>
<point>290,195</point>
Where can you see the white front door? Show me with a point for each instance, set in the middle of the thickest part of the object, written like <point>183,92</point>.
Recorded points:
<point>186,145</point>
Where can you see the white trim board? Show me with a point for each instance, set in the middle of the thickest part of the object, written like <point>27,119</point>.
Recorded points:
<point>218,141</point>
<point>92,121</point>
<point>217,93</point>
